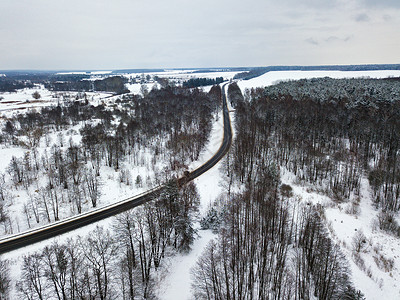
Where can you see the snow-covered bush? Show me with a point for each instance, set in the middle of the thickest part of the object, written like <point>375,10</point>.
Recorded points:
<point>5,282</point>
<point>286,190</point>
<point>212,220</point>
<point>388,223</point>
<point>383,263</point>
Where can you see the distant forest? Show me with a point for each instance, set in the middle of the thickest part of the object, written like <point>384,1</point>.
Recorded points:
<point>115,84</point>
<point>70,82</point>
<point>255,72</point>
<point>196,82</point>
<point>9,85</point>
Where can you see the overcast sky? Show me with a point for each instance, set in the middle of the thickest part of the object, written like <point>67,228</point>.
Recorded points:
<point>113,34</point>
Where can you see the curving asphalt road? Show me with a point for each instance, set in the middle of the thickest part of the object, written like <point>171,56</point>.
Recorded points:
<point>37,235</point>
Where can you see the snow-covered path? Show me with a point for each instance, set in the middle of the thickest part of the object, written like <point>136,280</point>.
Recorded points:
<point>177,284</point>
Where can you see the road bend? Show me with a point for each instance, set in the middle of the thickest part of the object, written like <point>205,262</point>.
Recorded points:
<point>51,230</point>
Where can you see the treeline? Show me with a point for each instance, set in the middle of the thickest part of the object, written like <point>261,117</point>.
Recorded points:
<point>114,84</point>
<point>255,72</point>
<point>197,82</point>
<point>116,264</point>
<point>172,124</point>
<point>349,92</point>
<point>76,83</point>
<point>15,80</point>
<point>268,247</point>
<point>10,85</point>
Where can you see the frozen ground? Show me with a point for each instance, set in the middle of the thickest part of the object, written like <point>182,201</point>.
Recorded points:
<point>135,87</point>
<point>112,189</point>
<point>274,77</point>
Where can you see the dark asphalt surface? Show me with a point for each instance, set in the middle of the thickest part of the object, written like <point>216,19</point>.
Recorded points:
<point>51,230</point>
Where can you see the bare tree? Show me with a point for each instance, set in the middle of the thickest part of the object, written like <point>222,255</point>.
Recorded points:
<point>92,185</point>
<point>359,241</point>
<point>100,250</point>
<point>5,281</point>
<point>125,229</point>
<point>36,95</point>
<point>31,285</point>
<point>3,188</point>
<point>55,263</point>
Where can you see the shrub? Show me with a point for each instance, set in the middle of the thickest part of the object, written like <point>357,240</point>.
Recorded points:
<point>388,223</point>
<point>286,190</point>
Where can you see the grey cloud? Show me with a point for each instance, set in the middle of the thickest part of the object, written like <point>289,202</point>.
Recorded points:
<point>382,3</point>
<point>312,41</point>
<point>362,18</point>
<point>332,39</point>
<point>124,33</point>
<point>387,18</point>
<point>318,4</point>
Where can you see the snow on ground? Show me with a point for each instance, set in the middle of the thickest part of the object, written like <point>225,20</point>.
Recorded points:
<point>372,280</point>
<point>177,76</point>
<point>22,99</point>
<point>186,74</point>
<point>369,275</point>
<point>177,286</point>
<point>84,73</point>
<point>112,190</point>
<point>15,257</point>
<point>135,87</point>
<point>100,72</point>
<point>274,77</point>
<point>6,155</point>
<point>73,73</point>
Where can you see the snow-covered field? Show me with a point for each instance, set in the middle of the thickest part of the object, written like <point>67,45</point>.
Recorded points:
<point>23,99</point>
<point>274,77</point>
<point>176,76</point>
<point>187,74</point>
